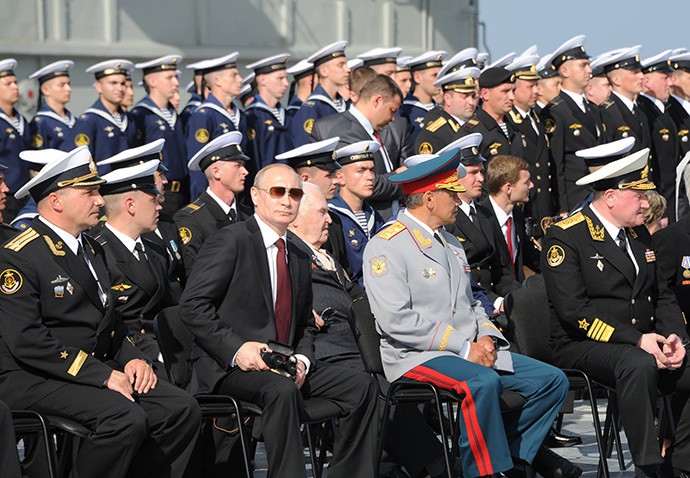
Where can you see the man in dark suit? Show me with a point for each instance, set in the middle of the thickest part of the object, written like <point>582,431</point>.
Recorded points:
<point>64,348</point>
<point>679,101</point>
<point>378,102</point>
<point>249,286</point>
<point>613,315</point>
<point>223,163</point>
<point>137,266</point>
<point>571,122</point>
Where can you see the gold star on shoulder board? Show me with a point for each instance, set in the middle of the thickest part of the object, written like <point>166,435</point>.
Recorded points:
<point>63,355</point>
<point>583,324</point>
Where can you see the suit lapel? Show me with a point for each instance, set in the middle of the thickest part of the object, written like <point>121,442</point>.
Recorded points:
<point>429,246</point>
<point>293,267</point>
<point>261,263</point>
<point>471,231</point>
<point>216,211</point>
<point>134,270</point>
<point>609,249</point>
<point>638,249</point>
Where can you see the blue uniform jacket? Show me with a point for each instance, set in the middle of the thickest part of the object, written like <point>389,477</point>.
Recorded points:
<point>354,235</point>
<point>414,112</point>
<point>267,137</point>
<point>318,105</point>
<point>209,121</point>
<point>293,106</point>
<point>194,102</point>
<point>12,142</point>
<point>25,215</point>
<point>150,125</point>
<point>97,129</point>
<point>50,130</point>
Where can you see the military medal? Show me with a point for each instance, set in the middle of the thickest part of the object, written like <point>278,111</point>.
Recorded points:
<point>59,291</point>
<point>354,242</point>
<point>351,233</point>
<point>600,266</point>
<point>493,151</point>
<point>427,273</point>
<point>576,132</point>
<point>649,255</point>
<point>70,288</point>
<point>685,264</point>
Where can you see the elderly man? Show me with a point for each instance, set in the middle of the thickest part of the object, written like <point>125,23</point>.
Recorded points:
<point>432,329</point>
<point>613,314</point>
<point>64,348</point>
<point>251,285</point>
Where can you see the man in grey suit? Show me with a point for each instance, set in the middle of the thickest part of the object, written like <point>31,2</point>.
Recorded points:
<point>418,283</point>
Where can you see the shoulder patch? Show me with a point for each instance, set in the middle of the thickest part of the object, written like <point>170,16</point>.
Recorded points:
<point>472,122</point>
<point>454,125</point>
<point>11,281</point>
<point>607,104</point>
<point>81,140</point>
<point>37,141</point>
<point>22,239</point>
<point>55,248</point>
<point>201,135</point>
<point>194,206</point>
<point>426,148</point>
<point>549,125</point>
<point>436,124</point>
<point>515,116</point>
<point>308,125</point>
<point>391,231</point>
<point>185,235</point>
<point>571,221</point>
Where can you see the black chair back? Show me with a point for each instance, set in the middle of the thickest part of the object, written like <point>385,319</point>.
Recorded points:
<point>175,341</point>
<point>368,339</point>
<point>528,309</point>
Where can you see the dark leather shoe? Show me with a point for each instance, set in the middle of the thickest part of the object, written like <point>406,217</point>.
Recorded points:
<point>551,465</point>
<point>558,440</point>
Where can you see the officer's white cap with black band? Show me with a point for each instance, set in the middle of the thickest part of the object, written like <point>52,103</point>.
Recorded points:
<point>572,49</point>
<point>463,80</point>
<point>138,155</point>
<point>132,178</point>
<point>270,64</point>
<point>630,172</point>
<point>320,154</point>
<point>355,152</point>
<point>225,147</point>
<point>7,67</point>
<point>37,158</point>
<point>469,148</point>
<point>606,153</point>
<point>164,63</point>
<point>111,67</point>
<point>328,53</point>
<point>380,56</point>
<point>427,60</point>
<point>54,70</point>
<point>300,69</point>
<point>466,58</point>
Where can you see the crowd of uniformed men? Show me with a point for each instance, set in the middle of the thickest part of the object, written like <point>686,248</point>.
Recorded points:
<point>435,183</point>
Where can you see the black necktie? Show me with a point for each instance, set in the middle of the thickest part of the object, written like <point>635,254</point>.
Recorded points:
<point>139,247</point>
<point>437,236</point>
<point>232,215</point>
<point>623,243</point>
<point>473,213</point>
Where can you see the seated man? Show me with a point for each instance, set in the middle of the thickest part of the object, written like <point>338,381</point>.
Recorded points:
<point>64,348</point>
<point>418,284</point>
<point>250,285</point>
<point>613,314</point>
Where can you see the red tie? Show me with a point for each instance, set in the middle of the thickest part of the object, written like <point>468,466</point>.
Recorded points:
<point>378,138</point>
<point>509,238</point>
<point>283,307</point>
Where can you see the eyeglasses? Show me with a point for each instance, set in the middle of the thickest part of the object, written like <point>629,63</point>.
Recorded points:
<point>277,192</point>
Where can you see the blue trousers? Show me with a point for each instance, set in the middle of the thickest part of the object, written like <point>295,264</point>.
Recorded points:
<point>488,440</point>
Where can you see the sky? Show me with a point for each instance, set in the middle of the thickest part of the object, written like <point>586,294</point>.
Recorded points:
<point>515,25</point>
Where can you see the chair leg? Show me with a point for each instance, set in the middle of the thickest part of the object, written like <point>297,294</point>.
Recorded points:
<point>243,440</point>
<point>603,468</point>
<point>616,426</point>
<point>312,453</point>
<point>51,455</point>
<point>448,454</point>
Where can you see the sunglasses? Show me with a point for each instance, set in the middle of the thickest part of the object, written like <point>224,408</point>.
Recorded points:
<point>277,192</point>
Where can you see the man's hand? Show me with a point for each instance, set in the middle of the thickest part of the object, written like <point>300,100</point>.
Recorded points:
<point>118,382</point>
<point>141,376</point>
<point>480,355</point>
<point>318,320</point>
<point>650,344</point>
<point>249,359</point>
<point>301,373</point>
<point>674,351</point>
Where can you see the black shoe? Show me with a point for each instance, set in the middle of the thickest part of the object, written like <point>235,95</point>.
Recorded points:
<point>551,465</point>
<point>558,440</point>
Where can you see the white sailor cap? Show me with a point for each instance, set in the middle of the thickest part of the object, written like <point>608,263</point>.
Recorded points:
<point>524,67</point>
<point>463,80</point>
<point>482,56</point>
<point>355,63</point>
<point>403,63</point>
<point>300,69</point>
<point>7,67</point>
<point>164,63</point>
<point>428,59</point>
<point>545,67</point>
<point>138,155</point>
<point>681,61</point>
<point>190,87</point>
<point>418,159</point>
<point>661,63</point>
<point>678,51</point>
<point>37,158</point>
<point>133,178</point>
<point>570,50</point>
<point>270,64</point>
<point>629,172</point>
<point>380,56</point>
<point>197,67</point>
<point>55,69</point>
<point>355,152</point>
<point>215,64</point>
<point>466,58</point>
<point>597,63</point>
<point>225,147</point>
<point>606,153</point>
<point>320,154</point>
<point>328,53</point>
<point>531,51</point>
<point>469,148</point>
<point>74,169</point>
<point>626,58</point>
<point>111,67</point>
<point>502,62</point>
<point>247,84</point>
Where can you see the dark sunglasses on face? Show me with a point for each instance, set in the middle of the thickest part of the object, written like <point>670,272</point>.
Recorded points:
<point>277,192</point>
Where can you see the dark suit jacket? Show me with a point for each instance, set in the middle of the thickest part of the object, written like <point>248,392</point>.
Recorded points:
<point>171,243</point>
<point>672,245</point>
<point>54,327</point>
<point>140,288</point>
<point>197,221</point>
<point>228,301</point>
<point>483,254</point>
<point>351,131</point>
<point>593,290</point>
<point>682,121</point>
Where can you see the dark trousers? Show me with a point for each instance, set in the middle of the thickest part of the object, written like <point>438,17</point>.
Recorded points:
<point>151,437</point>
<point>633,374</point>
<point>9,460</point>
<point>283,404</point>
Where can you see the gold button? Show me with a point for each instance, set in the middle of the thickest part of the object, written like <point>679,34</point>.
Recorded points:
<point>537,165</point>
<point>549,189</point>
<point>652,318</point>
<point>549,164</point>
<point>479,283</point>
<point>538,177</point>
<point>634,321</point>
<point>538,190</point>
<point>549,176</point>
<point>143,332</point>
<point>93,353</point>
<point>112,334</point>
<point>632,301</point>
<point>649,298</point>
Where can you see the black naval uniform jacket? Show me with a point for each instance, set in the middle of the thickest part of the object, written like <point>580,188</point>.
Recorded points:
<point>665,151</point>
<point>595,295</point>
<point>440,129</point>
<point>535,150</point>
<point>228,301</point>
<point>197,221</point>
<point>54,327</point>
<point>479,241</point>
<point>682,121</point>
<point>619,122</point>
<point>7,232</point>
<point>672,245</point>
<point>494,142</point>
<point>170,242</point>
<point>569,130</point>
<point>139,287</point>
